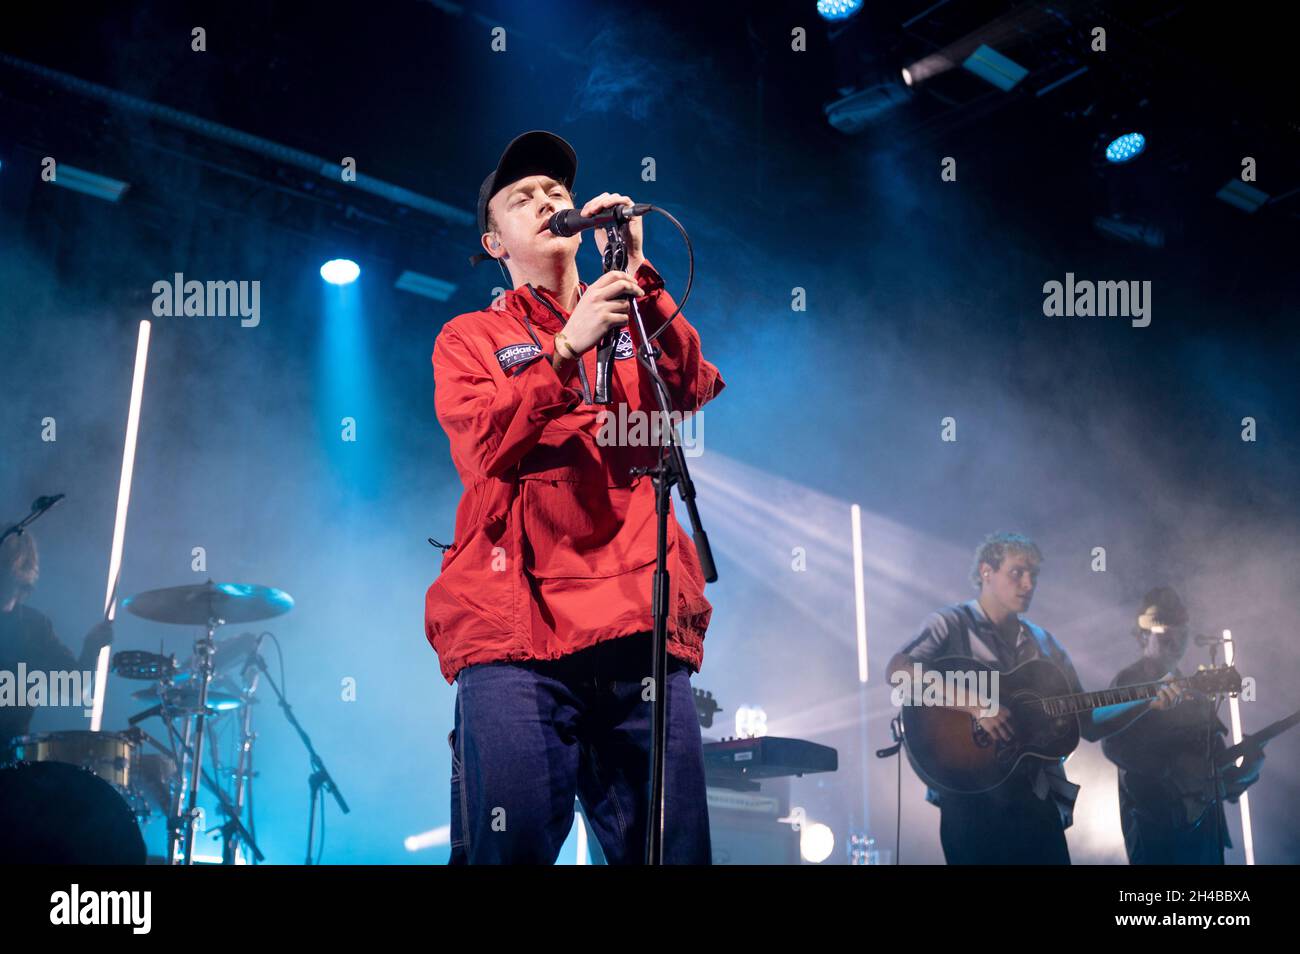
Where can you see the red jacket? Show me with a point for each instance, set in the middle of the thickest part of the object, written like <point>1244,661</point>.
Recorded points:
<point>554,545</point>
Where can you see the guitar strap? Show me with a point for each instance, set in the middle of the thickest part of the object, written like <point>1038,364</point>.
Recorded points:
<point>999,649</point>
<point>967,630</point>
<point>1045,779</point>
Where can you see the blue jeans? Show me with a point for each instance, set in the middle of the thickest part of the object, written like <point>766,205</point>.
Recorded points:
<point>530,736</point>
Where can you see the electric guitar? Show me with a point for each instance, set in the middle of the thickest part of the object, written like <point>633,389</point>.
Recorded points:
<point>1196,788</point>
<point>951,752</point>
<point>1255,741</point>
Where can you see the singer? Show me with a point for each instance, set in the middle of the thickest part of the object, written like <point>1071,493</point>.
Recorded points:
<point>542,611</point>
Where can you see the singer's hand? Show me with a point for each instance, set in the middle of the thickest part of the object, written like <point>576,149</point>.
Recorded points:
<point>599,309</point>
<point>607,200</point>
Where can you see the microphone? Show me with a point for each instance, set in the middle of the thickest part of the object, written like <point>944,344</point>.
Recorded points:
<point>569,222</point>
<point>251,663</point>
<point>1202,640</point>
<point>39,506</point>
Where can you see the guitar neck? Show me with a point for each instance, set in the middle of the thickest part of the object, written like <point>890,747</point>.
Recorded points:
<point>1087,701</point>
<point>1256,740</point>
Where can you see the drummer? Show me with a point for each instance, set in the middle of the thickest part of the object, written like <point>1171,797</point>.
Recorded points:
<point>27,635</point>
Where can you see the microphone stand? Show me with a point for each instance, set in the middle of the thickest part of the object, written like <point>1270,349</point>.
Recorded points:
<point>671,470</point>
<point>1212,764</point>
<point>39,508</point>
<point>320,776</point>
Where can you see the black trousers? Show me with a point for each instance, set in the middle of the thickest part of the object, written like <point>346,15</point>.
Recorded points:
<point>1009,826</point>
<point>1151,842</point>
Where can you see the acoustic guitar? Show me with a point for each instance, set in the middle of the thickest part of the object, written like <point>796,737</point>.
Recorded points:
<point>951,752</point>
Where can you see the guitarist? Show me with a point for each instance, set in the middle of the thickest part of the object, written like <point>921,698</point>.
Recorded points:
<point>1166,796</point>
<point>1023,820</point>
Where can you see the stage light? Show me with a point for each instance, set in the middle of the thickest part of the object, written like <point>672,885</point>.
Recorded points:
<point>89,183</point>
<point>428,839</point>
<point>1234,707</point>
<point>425,285</point>
<point>123,508</point>
<point>1242,196</point>
<point>859,591</point>
<point>991,66</point>
<point>1131,230</point>
<point>340,271</point>
<point>865,107</point>
<point>907,76</point>
<point>1126,147</point>
<point>838,9</point>
<point>816,842</point>
<point>751,722</point>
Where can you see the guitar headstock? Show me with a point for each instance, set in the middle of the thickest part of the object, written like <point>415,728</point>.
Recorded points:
<point>1212,680</point>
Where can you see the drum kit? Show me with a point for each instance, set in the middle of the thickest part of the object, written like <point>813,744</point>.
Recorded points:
<point>83,796</point>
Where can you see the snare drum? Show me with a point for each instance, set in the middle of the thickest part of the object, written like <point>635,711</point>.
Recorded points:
<point>112,756</point>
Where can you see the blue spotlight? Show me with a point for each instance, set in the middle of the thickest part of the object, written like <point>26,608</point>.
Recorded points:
<point>1126,147</point>
<point>340,271</point>
<point>838,9</point>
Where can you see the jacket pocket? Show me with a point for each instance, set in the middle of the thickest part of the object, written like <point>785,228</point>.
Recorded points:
<point>583,528</point>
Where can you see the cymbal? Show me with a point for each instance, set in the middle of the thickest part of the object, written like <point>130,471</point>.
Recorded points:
<point>223,695</point>
<point>196,604</point>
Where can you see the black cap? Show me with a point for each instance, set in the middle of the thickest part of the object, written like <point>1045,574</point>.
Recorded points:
<point>534,153</point>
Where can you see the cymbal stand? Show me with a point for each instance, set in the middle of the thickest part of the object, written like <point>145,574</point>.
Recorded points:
<point>192,749</point>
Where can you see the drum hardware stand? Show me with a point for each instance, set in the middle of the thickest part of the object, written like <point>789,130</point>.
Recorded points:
<point>208,605</point>
<point>234,831</point>
<point>233,828</point>
<point>178,751</point>
<point>244,774</point>
<point>185,820</point>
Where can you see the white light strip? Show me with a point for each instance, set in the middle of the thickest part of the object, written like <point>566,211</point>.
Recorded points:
<point>1234,706</point>
<point>428,839</point>
<point>119,524</point>
<point>859,593</point>
<point>582,839</point>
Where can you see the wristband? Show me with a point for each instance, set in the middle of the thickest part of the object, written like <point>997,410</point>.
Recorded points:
<point>560,339</point>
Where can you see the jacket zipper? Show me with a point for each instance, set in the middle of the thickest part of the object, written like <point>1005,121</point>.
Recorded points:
<point>582,371</point>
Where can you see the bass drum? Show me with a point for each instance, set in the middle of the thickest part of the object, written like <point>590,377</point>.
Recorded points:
<point>54,813</point>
